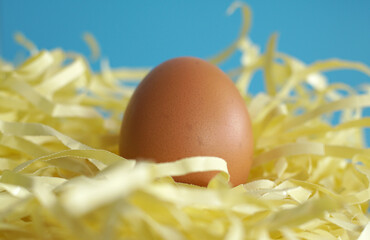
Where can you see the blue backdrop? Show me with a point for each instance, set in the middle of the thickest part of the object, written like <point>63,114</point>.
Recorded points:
<point>147,32</point>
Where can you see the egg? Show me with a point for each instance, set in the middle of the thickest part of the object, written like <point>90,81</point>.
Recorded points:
<point>188,107</point>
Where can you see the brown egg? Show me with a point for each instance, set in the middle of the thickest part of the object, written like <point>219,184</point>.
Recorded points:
<point>188,107</point>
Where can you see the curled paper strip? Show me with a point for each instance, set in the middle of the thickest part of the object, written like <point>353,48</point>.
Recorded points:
<point>61,177</point>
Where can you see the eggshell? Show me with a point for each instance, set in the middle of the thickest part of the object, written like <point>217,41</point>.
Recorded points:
<point>188,107</point>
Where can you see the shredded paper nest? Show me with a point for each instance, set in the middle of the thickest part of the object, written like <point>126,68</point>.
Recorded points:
<point>61,177</point>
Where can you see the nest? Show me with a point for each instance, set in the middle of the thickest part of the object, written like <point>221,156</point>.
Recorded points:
<point>61,177</point>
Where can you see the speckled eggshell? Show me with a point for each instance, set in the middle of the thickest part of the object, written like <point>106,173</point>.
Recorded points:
<point>188,107</point>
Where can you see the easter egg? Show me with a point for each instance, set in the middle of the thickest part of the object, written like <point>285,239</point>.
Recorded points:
<point>188,107</point>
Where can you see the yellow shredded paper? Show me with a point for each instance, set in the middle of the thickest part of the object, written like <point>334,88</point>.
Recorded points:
<point>61,177</point>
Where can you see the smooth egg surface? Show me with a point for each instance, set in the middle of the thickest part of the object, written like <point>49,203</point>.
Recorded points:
<point>188,107</point>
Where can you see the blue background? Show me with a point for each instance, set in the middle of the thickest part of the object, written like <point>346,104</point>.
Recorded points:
<point>147,32</point>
